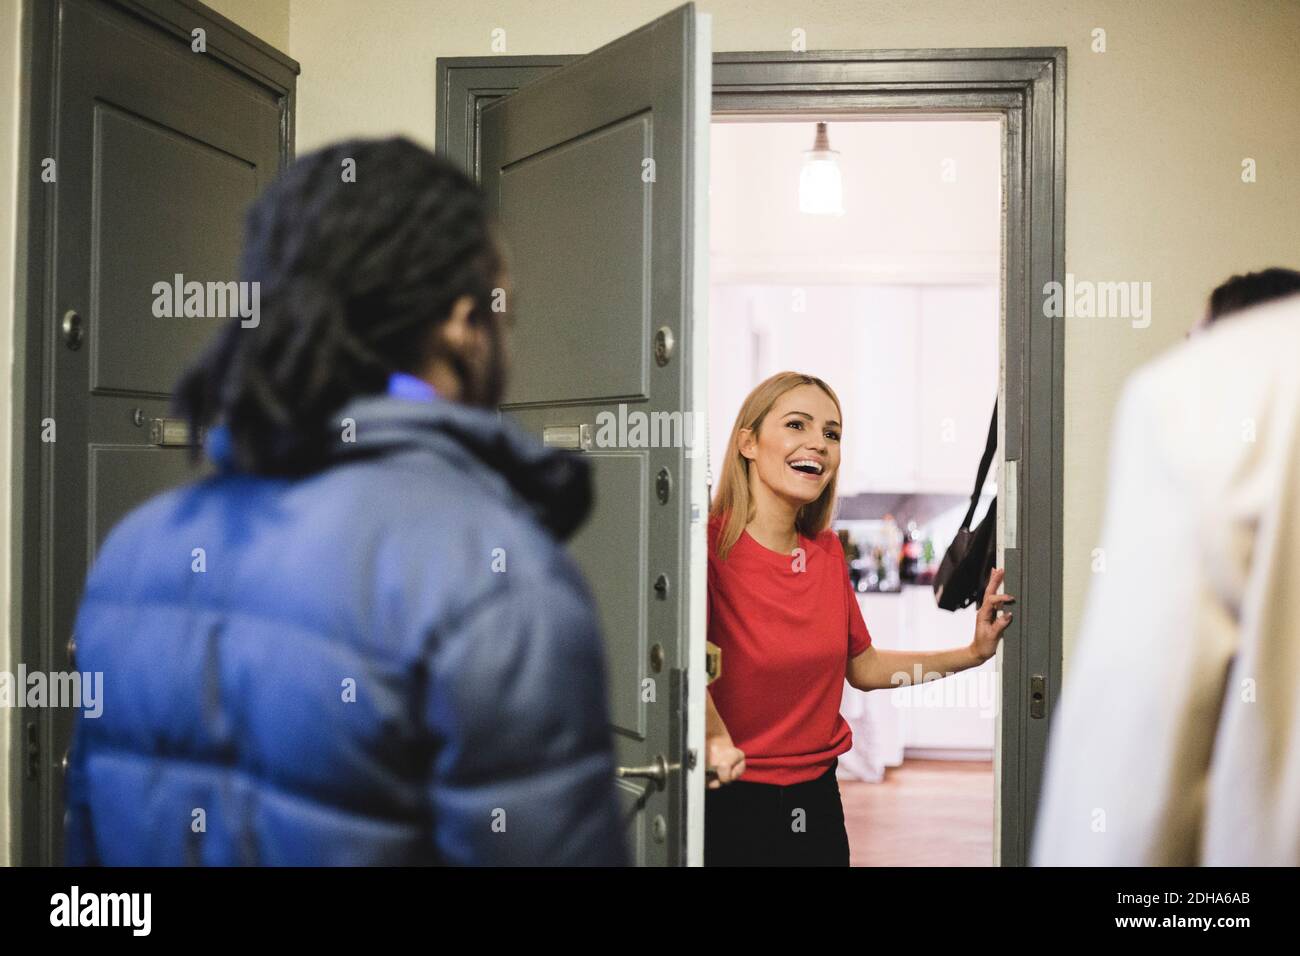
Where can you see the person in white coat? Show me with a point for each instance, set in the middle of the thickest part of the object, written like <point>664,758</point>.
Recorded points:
<point>1176,740</point>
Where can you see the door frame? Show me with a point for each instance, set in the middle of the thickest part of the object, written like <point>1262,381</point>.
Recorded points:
<point>1026,88</point>
<point>30,822</point>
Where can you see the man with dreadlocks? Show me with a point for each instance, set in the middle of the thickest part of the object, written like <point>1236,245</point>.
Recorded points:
<point>360,640</point>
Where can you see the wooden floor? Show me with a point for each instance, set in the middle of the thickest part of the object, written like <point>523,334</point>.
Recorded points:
<point>924,813</point>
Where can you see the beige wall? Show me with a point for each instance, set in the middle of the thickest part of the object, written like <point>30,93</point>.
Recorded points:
<point>265,19</point>
<point>1156,130</point>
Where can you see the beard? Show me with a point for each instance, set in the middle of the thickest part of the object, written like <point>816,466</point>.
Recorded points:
<point>483,376</point>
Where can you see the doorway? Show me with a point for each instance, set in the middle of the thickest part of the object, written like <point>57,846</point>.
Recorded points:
<point>882,279</point>
<point>1025,88</point>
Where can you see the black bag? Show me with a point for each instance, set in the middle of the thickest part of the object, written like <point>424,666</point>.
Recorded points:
<point>968,563</point>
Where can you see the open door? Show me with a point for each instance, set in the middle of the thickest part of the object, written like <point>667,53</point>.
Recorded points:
<point>599,173</point>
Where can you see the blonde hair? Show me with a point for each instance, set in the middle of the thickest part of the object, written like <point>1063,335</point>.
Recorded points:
<point>732,500</point>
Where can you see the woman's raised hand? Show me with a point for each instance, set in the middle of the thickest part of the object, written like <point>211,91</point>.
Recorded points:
<point>988,625</point>
<point>723,760</point>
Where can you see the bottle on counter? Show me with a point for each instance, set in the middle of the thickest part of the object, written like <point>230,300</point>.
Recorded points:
<point>909,554</point>
<point>893,539</point>
<point>926,576</point>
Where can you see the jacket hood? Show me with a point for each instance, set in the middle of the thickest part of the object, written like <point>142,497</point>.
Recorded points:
<point>553,483</point>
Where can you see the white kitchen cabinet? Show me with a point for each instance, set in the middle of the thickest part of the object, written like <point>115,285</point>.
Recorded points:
<point>879,727</point>
<point>883,358</point>
<point>915,368</point>
<point>954,716</point>
<point>956,713</point>
<point>956,384</point>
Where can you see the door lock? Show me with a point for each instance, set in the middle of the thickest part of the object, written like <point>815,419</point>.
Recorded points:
<point>1037,696</point>
<point>74,329</point>
<point>663,345</point>
<point>664,485</point>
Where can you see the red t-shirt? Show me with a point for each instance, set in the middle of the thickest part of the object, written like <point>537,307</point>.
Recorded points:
<point>787,628</point>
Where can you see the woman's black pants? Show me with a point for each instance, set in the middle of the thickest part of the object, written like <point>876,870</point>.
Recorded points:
<point>763,824</point>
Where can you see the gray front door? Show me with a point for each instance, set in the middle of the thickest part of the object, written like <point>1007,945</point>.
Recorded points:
<point>599,174</point>
<point>159,147</point>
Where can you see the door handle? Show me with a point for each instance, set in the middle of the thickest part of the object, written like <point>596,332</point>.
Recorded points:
<point>173,433</point>
<point>576,437</point>
<point>658,771</point>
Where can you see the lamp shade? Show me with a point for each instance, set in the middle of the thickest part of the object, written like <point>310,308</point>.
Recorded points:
<point>821,186</point>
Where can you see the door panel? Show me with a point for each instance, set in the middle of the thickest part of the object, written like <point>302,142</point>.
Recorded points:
<point>548,198</point>
<point>619,514</point>
<point>122,476</point>
<point>161,200</point>
<point>598,174</point>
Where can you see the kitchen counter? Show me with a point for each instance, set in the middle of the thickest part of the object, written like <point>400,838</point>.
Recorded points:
<point>951,717</point>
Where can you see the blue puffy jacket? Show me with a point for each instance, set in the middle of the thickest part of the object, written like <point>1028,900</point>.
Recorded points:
<point>391,661</point>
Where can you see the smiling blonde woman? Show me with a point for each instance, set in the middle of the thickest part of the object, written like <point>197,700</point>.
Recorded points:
<point>784,613</point>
